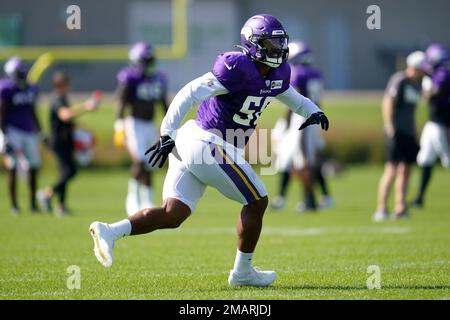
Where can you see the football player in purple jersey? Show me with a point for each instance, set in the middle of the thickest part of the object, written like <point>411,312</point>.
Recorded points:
<point>435,138</point>
<point>304,146</point>
<point>209,150</point>
<point>20,129</point>
<point>140,88</point>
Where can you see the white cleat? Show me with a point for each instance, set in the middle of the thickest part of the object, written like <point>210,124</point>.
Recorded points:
<point>103,242</point>
<point>254,278</point>
<point>380,216</point>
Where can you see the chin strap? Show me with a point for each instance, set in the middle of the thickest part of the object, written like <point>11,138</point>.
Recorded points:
<point>245,50</point>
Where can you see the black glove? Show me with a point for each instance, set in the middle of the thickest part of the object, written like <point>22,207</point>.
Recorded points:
<point>316,118</point>
<point>160,150</point>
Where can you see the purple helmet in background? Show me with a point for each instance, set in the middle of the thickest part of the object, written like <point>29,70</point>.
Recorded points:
<point>141,54</point>
<point>264,39</point>
<point>15,69</point>
<point>437,54</point>
<point>299,53</point>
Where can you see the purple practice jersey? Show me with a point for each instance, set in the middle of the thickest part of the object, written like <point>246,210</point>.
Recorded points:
<point>249,93</point>
<point>440,102</point>
<point>19,105</point>
<point>142,88</point>
<point>308,81</point>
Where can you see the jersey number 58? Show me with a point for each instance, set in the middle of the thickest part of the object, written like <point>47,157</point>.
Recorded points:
<point>251,110</point>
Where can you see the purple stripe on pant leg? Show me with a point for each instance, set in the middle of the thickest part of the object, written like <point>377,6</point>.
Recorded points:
<point>245,175</point>
<point>232,174</point>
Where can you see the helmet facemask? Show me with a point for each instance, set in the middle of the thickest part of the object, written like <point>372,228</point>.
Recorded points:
<point>147,65</point>
<point>272,51</point>
<point>20,76</point>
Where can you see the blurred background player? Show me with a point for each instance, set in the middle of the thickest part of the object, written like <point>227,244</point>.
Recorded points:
<point>140,87</point>
<point>296,150</point>
<point>62,126</point>
<point>20,129</point>
<point>435,138</point>
<point>401,97</point>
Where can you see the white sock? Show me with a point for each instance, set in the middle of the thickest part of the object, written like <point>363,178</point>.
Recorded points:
<point>132,201</point>
<point>146,196</point>
<point>121,228</point>
<point>243,262</point>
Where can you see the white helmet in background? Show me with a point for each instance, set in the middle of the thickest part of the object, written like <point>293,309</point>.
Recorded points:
<point>418,60</point>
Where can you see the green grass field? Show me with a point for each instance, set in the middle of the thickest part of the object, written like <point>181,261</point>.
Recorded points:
<point>317,256</point>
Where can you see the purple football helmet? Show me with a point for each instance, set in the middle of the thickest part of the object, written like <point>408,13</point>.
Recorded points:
<point>15,69</point>
<point>437,54</point>
<point>141,54</point>
<point>299,53</point>
<point>264,39</point>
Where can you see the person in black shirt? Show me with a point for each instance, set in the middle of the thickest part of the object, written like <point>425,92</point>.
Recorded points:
<point>402,95</point>
<point>62,126</point>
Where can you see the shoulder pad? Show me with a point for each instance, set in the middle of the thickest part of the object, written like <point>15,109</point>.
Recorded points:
<point>233,69</point>
<point>5,86</point>
<point>126,75</point>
